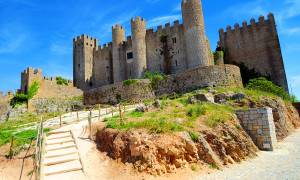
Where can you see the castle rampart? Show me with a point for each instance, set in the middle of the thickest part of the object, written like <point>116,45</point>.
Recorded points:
<point>163,49</point>
<point>256,46</point>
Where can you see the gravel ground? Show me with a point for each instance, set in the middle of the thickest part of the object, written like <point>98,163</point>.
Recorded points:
<point>282,164</point>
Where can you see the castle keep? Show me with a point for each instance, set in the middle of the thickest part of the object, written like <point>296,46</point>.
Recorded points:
<point>257,47</point>
<point>170,49</point>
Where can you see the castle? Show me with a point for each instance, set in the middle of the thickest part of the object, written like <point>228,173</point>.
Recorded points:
<point>256,46</point>
<point>170,49</point>
<point>48,86</point>
<point>176,49</point>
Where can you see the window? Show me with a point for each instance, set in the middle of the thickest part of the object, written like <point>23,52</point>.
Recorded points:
<point>129,55</point>
<point>176,63</point>
<point>78,65</point>
<point>87,44</point>
<point>174,40</point>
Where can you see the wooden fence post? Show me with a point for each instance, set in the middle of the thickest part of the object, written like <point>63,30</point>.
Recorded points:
<point>60,123</point>
<point>121,114</point>
<point>90,124</point>
<point>11,152</point>
<point>99,111</point>
<point>77,116</point>
<point>112,112</point>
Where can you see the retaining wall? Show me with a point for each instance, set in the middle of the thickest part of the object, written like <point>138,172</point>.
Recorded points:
<point>259,124</point>
<point>220,75</point>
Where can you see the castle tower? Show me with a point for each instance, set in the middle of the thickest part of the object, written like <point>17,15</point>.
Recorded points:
<point>198,53</point>
<point>83,47</point>
<point>28,77</point>
<point>138,30</point>
<point>118,36</point>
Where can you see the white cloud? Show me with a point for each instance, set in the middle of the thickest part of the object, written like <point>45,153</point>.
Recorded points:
<point>290,31</point>
<point>162,20</point>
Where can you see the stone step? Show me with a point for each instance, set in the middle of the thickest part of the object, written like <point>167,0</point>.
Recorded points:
<point>73,175</point>
<point>59,141</point>
<point>60,146</point>
<point>62,168</point>
<point>61,152</point>
<point>58,136</point>
<point>57,132</point>
<point>60,159</point>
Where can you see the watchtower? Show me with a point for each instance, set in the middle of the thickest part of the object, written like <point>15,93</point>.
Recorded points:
<point>138,30</point>
<point>83,47</point>
<point>29,76</point>
<point>197,47</point>
<point>118,36</point>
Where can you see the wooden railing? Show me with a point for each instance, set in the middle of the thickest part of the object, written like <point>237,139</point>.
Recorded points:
<point>39,150</point>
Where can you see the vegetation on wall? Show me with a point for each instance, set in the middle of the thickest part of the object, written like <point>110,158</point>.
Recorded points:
<point>165,52</point>
<point>21,98</point>
<point>154,77</point>
<point>129,82</point>
<point>61,81</point>
<point>265,85</point>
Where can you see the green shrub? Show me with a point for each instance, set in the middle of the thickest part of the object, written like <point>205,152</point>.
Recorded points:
<point>21,98</point>
<point>263,84</point>
<point>195,111</point>
<point>194,136</point>
<point>61,81</point>
<point>154,77</point>
<point>130,82</point>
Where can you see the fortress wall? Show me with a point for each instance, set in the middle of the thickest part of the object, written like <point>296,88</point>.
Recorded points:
<point>175,46</point>
<point>102,68</point>
<point>134,93</point>
<point>223,75</point>
<point>257,46</point>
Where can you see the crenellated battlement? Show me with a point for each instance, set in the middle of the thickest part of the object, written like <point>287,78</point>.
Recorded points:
<point>53,79</point>
<point>85,40</point>
<point>262,21</point>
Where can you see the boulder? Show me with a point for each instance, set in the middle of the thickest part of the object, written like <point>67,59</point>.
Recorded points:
<point>141,108</point>
<point>192,100</point>
<point>220,98</point>
<point>238,96</point>
<point>157,103</point>
<point>207,97</point>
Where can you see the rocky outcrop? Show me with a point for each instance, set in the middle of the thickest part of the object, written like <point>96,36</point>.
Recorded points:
<point>164,153</point>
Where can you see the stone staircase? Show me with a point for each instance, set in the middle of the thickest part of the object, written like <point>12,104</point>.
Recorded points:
<point>61,158</point>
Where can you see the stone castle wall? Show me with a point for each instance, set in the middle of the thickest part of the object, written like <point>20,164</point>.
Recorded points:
<point>163,50</point>
<point>48,87</point>
<point>134,92</point>
<point>225,75</point>
<point>257,46</point>
<point>259,124</point>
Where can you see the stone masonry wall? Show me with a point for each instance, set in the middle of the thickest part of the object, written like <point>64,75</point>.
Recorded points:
<point>135,92</point>
<point>222,75</point>
<point>256,46</point>
<point>259,124</point>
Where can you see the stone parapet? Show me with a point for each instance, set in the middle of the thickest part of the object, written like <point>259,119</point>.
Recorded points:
<point>259,124</point>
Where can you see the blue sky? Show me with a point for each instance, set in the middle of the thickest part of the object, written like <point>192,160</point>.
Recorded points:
<point>39,33</point>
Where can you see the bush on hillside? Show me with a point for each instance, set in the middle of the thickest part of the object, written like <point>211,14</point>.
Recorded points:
<point>154,77</point>
<point>61,81</point>
<point>265,85</point>
<point>21,98</point>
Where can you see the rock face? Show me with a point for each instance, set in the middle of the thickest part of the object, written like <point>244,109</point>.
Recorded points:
<point>164,153</point>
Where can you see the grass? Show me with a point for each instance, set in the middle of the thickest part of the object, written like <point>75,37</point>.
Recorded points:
<point>130,82</point>
<point>174,115</point>
<point>194,136</point>
<point>13,128</point>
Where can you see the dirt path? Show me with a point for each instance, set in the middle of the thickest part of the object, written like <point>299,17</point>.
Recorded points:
<point>283,163</point>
